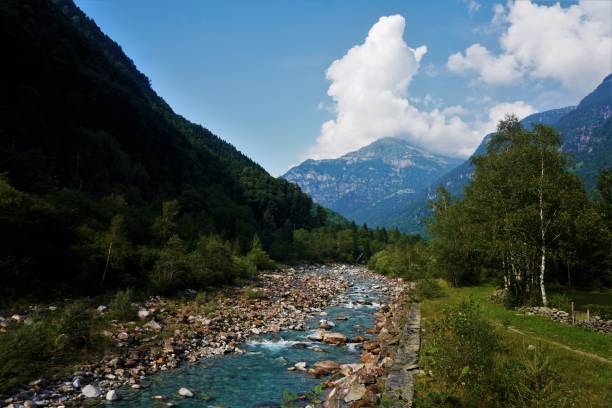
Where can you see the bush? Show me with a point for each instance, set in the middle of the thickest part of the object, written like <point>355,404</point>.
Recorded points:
<point>528,380</point>
<point>429,288</point>
<point>247,268</point>
<point>201,298</point>
<point>560,301</point>
<point>25,353</point>
<point>120,307</point>
<point>254,293</point>
<point>75,327</point>
<point>603,311</point>
<point>261,259</point>
<point>462,348</point>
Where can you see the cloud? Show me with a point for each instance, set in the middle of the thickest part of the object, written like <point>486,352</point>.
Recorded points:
<point>572,45</point>
<point>472,5</point>
<point>369,90</point>
<point>499,112</point>
<point>493,69</point>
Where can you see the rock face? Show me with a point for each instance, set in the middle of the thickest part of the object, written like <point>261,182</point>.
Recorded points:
<point>372,181</point>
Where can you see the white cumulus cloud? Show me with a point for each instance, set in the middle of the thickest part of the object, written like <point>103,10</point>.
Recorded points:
<point>369,89</point>
<point>572,45</point>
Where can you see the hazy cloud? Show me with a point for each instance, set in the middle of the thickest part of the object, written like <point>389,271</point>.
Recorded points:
<point>572,45</point>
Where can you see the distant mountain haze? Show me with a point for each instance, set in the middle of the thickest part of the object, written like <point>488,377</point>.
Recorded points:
<point>373,181</point>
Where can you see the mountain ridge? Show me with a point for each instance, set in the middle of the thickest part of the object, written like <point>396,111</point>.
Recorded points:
<point>365,183</point>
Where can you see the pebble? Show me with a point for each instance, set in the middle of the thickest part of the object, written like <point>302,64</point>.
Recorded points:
<point>184,392</point>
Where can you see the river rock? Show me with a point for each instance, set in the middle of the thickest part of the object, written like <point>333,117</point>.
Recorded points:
<point>184,392</point>
<point>112,395</point>
<point>90,391</point>
<point>326,324</point>
<point>334,338</point>
<point>143,314</point>
<point>300,366</point>
<point>153,325</point>
<point>326,367</point>
<point>316,336</point>
<point>355,392</point>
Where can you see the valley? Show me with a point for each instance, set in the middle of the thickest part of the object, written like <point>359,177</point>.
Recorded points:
<point>153,259</point>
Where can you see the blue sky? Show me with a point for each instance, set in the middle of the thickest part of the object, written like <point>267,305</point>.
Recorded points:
<point>254,72</point>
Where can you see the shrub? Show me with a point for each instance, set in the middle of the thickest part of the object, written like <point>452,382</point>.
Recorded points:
<point>254,293</point>
<point>560,301</point>
<point>603,311</point>
<point>528,380</point>
<point>120,307</point>
<point>429,288</point>
<point>25,352</point>
<point>201,298</point>
<point>261,259</point>
<point>75,327</point>
<point>462,348</point>
<point>247,268</point>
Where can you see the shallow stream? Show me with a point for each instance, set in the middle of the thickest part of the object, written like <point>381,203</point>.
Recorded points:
<point>259,377</point>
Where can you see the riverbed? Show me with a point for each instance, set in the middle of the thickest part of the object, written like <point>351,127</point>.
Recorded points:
<point>260,376</point>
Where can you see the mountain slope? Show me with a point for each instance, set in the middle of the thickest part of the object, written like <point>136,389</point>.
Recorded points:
<point>87,139</point>
<point>586,134</point>
<point>377,179</point>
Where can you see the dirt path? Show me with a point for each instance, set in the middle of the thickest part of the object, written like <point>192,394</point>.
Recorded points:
<point>563,346</point>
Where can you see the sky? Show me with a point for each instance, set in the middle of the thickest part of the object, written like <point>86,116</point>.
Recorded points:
<point>284,81</point>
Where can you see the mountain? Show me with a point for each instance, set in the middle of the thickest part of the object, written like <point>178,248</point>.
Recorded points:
<point>85,141</point>
<point>586,134</point>
<point>375,180</point>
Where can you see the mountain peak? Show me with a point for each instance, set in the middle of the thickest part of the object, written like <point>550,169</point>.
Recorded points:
<point>368,182</point>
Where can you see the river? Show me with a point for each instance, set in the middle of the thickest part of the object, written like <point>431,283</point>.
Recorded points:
<point>259,377</point>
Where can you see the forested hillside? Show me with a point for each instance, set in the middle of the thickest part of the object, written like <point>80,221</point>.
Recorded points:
<point>102,184</point>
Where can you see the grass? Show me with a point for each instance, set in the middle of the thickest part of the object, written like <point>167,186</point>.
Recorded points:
<point>586,378</point>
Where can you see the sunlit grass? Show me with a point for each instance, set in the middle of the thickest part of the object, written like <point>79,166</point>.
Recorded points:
<point>587,379</point>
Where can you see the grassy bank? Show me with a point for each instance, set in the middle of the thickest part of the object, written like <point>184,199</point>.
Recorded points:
<point>571,353</point>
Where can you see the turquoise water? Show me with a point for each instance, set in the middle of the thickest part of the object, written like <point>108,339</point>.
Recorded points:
<point>259,377</point>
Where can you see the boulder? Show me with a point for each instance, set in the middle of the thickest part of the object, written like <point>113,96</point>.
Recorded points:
<point>316,336</point>
<point>355,392</point>
<point>334,338</point>
<point>90,391</point>
<point>184,392</point>
<point>326,367</point>
<point>112,395</point>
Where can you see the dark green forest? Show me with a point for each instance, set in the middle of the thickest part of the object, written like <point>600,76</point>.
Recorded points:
<point>103,185</point>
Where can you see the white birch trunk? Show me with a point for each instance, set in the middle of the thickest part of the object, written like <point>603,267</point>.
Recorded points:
<point>543,235</point>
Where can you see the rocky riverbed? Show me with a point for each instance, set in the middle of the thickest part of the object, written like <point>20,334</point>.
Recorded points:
<point>171,332</point>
